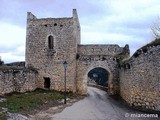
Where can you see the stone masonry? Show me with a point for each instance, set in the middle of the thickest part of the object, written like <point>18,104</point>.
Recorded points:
<point>140,79</point>
<point>51,41</point>
<point>17,79</point>
<point>93,56</point>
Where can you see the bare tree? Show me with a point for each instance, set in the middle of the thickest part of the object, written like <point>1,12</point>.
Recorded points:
<point>156,28</point>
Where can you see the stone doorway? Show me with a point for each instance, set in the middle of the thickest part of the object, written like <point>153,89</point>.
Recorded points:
<point>98,76</point>
<point>47,82</point>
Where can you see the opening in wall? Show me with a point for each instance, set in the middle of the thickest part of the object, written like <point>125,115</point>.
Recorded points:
<point>47,82</point>
<point>50,42</point>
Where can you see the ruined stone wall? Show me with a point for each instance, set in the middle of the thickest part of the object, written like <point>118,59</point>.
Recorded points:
<point>49,62</point>
<point>140,79</point>
<point>65,33</point>
<point>16,80</point>
<point>92,56</point>
<point>110,50</point>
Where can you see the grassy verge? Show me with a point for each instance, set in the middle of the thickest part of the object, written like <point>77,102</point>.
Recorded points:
<point>38,99</point>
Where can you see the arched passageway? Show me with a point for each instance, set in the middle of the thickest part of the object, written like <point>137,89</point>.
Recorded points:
<point>99,75</point>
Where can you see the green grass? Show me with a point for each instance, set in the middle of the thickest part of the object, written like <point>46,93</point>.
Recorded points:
<point>3,116</point>
<point>18,102</point>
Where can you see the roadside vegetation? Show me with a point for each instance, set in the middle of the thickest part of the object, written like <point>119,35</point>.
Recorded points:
<point>31,101</point>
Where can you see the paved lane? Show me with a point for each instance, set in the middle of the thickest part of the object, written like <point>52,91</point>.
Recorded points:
<point>97,106</point>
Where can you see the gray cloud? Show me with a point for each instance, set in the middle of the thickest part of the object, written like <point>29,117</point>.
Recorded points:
<point>102,22</point>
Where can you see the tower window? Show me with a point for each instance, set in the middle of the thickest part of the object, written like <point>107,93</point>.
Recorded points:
<point>50,42</point>
<point>55,24</point>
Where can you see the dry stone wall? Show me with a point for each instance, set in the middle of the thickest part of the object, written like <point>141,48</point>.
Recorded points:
<point>17,80</point>
<point>140,79</point>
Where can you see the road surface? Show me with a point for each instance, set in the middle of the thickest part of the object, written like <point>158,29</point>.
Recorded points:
<point>99,106</point>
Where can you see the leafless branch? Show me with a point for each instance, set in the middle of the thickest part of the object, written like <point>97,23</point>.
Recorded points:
<point>156,28</point>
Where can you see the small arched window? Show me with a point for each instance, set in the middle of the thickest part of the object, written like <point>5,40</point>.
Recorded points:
<point>50,42</point>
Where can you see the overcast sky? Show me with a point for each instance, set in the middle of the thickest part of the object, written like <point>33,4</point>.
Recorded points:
<point>102,22</point>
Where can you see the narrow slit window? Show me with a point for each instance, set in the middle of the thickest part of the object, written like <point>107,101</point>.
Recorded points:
<point>50,42</point>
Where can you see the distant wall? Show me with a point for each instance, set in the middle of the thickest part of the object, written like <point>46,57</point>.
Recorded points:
<point>140,79</point>
<point>16,80</point>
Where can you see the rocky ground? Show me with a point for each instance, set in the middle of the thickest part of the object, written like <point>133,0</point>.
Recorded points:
<point>96,106</point>
<point>38,114</point>
<point>50,107</point>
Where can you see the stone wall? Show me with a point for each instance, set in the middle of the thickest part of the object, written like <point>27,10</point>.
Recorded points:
<point>93,56</point>
<point>109,49</point>
<point>49,61</point>
<point>140,79</point>
<point>65,33</point>
<point>13,79</point>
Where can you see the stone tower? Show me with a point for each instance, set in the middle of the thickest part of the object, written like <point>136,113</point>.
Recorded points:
<point>50,42</point>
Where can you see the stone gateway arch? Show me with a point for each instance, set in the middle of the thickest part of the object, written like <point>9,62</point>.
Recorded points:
<point>98,76</point>
<point>51,41</point>
<point>99,56</point>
